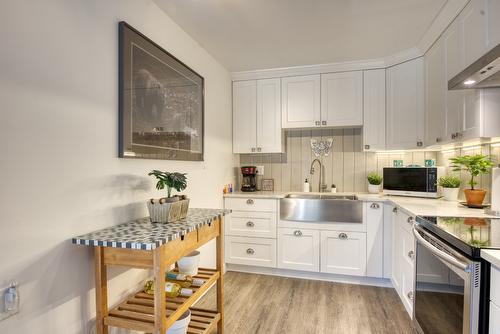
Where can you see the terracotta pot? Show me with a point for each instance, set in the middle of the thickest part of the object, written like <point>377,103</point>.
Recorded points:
<point>475,221</point>
<point>474,197</point>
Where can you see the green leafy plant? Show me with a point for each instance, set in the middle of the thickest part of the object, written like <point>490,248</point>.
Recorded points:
<point>449,181</point>
<point>177,181</point>
<point>374,178</point>
<point>474,164</point>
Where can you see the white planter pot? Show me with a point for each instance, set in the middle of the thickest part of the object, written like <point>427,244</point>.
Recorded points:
<point>373,188</point>
<point>450,194</point>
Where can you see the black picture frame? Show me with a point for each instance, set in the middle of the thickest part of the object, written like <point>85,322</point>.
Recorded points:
<point>161,102</point>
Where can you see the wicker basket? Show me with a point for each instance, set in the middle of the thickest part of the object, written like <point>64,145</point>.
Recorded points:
<point>184,208</point>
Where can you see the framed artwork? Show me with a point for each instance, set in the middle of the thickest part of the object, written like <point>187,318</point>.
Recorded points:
<point>161,102</point>
<point>267,184</point>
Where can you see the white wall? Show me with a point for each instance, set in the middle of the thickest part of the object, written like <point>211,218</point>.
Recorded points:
<point>59,171</point>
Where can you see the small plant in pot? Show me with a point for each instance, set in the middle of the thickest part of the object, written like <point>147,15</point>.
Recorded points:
<point>475,165</point>
<point>374,182</point>
<point>450,185</point>
<point>171,208</point>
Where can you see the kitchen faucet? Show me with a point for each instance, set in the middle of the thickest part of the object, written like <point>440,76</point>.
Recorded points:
<point>321,187</point>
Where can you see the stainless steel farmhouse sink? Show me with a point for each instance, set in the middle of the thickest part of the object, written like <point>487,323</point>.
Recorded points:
<point>321,208</point>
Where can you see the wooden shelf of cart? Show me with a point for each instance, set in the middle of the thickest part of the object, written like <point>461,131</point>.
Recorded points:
<point>156,313</point>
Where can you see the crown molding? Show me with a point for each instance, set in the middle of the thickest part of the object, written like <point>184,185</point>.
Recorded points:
<point>443,19</point>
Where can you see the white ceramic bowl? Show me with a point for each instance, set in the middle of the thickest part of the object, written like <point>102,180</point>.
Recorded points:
<point>188,265</point>
<point>181,325</point>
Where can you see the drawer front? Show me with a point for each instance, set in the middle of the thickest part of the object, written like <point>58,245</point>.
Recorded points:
<point>251,224</point>
<point>495,285</point>
<point>252,204</point>
<point>251,251</point>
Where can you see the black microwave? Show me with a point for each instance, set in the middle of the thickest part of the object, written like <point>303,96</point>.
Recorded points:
<point>412,181</point>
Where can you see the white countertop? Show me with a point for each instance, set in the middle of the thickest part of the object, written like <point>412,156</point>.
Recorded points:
<point>412,205</point>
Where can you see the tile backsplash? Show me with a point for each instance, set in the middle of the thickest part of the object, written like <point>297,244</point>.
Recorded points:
<point>347,165</point>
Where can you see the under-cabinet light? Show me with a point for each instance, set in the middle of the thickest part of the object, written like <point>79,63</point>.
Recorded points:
<point>470,148</point>
<point>495,145</point>
<point>391,152</point>
<point>469,82</point>
<point>453,150</point>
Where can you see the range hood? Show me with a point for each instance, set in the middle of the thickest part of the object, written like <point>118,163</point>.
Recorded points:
<point>483,73</point>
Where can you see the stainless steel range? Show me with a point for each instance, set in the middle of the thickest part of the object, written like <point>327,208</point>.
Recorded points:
<point>451,279</point>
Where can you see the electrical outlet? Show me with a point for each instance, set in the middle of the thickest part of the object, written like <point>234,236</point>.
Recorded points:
<point>260,170</point>
<point>11,302</point>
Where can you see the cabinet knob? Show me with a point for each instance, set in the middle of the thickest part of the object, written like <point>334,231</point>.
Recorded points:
<point>250,224</point>
<point>410,220</point>
<point>367,147</point>
<point>323,123</point>
<point>253,149</point>
<point>343,236</point>
<point>411,254</point>
<point>438,140</point>
<point>395,210</point>
<point>250,201</point>
<point>250,251</point>
<point>297,233</point>
<point>318,123</point>
<point>259,149</point>
<point>410,295</point>
<point>375,206</point>
<point>419,144</point>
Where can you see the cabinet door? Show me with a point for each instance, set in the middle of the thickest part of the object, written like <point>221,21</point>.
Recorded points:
<point>473,23</point>
<point>343,253</point>
<point>374,239</point>
<point>454,98</point>
<point>397,246</point>
<point>494,318</point>
<point>470,119</point>
<point>342,99</point>
<point>298,249</point>
<point>493,23</point>
<point>244,116</point>
<point>436,87</point>
<point>301,101</point>
<point>405,105</point>
<point>374,110</point>
<point>269,116</point>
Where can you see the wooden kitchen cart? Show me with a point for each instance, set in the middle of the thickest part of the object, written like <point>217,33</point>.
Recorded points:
<point>117,246</point>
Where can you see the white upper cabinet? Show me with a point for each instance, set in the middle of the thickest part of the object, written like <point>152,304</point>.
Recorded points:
<point>301,101</point>
<point>342,99</point>
<point>257,116</point>
<point>269,134</point>
<point>474,24</point>
<point>405,105</point>
<point>244,116</point>
<point>374,110</point>
<point>435,93</point>
<point>493,23</point>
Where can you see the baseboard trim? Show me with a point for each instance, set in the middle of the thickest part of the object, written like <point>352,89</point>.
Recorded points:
<point>372,281</point>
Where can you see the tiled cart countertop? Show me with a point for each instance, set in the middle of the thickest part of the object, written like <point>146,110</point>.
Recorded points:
<point>142,234</point>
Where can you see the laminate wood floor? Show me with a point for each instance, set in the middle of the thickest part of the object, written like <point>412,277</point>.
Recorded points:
<point>256,304</point>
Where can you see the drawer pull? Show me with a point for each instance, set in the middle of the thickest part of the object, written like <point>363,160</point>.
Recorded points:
<point>395,210</point>
<point>410,295</point>
<point>250,251</point>
<point>343,236</point>
<point>410,220</point>
<point>297,233</point>
<point>375,206</point>
<point>250,224</point>
<point>250,201</point>
<point>411,254</point>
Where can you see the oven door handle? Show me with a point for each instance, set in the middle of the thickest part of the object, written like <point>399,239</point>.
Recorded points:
<point>442,255</point>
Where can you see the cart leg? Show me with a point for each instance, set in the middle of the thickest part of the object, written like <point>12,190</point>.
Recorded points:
<point>220,281</point>
<point>101,290</point>
<point>160,301</point>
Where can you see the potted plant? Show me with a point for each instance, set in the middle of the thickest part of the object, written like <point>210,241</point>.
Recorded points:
<point>450,185</point>
<point>171,208</point>
<point>476,165</point>
<point>374,182</point>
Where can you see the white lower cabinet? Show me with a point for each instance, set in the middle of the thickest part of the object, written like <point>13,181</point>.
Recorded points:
<point>298,249</point>
<point>495,300</point>
<point>494,318</point>
<point>343,253</point>
<point>251,251</point>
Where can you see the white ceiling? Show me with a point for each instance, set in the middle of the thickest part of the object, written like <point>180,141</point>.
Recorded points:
<point>258,34</point>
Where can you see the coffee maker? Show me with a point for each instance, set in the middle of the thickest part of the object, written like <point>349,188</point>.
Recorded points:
<point>249,182</point>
